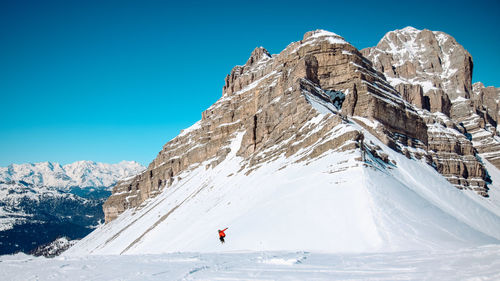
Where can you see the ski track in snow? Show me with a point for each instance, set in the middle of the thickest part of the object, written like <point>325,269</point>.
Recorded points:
<point>480,263</point>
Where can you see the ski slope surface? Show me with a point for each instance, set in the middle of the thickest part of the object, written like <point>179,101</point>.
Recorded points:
<point>339,202</point>
<point>481,263</point>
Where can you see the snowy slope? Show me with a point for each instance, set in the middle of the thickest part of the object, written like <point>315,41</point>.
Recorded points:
<point>481,263</point>
<point>333,203</point>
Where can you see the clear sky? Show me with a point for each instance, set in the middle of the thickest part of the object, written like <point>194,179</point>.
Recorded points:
<point>115,80</point>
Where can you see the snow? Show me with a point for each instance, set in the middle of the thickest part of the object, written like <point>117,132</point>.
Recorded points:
<point>479,263</point>
<point>54,248</point>
<point>426,85</point>
<point>410,29</point>
<point>406,46</point>
<point>441,37</point>
<point>81,173</point>
<point>193,127</point>
<point>36,182</point>
<point>237,121</point>
<point>319,104</point>
<point>459,99</point>
<point>396,81</point>
<point>493,203</point>
<point>482,133</point>
<point>12,194</point>
<point>255,83</point>
<point>370,123</point>
<point>333,217</point>
<point>437,128</point>
<point>9,219</point>
<point>322,32</point>
<point>350,206</point>
<point>323,35</point>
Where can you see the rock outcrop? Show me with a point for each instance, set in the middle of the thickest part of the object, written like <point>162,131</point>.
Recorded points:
<point>434,72</point>
<point>430,60</point>
<point>453,154</point>
<point>483,121</point>
<point>274,103</point>
<point>487,100</point>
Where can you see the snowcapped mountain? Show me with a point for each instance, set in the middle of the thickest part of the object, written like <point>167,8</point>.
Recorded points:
<point>431,59</point>
<point>310,149</point>
<point>40,202</point>
<point>434,72</point>
<point>334,204</point>
<point>82,174</point>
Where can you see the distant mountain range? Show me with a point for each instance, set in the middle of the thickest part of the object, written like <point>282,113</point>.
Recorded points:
<point>83,174</point>
<point>43,201</point>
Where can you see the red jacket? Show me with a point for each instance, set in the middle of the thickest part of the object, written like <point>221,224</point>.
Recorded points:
<point>221,232</point>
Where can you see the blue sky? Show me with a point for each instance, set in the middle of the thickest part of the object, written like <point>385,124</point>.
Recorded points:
<point>115,80</point>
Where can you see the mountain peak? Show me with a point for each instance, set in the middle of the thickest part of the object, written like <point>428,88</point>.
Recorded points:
<point>408,29</point>
<point>80,173</point>
<point>432,60</point>
<point>258,54</point>
<point>434,72</point>
<point>321,34</point>
<point>315,126</point>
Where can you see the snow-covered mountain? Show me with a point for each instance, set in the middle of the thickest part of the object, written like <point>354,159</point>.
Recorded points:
<point>335,203</point>
<point>433,60</point>
<point>311,149</point>
<point>40,202</point>
<point>82,174</point>
<point>434,72</point>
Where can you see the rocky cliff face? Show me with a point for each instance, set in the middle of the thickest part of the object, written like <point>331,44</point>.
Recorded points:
<point>408,91</point>
<point>488,98</point>
<point>430,67</point>
<point>483,121</point>
<point>432,71</point>
<point>274,101</point>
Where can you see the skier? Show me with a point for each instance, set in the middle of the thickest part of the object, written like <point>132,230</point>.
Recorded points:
<point>222,234</point>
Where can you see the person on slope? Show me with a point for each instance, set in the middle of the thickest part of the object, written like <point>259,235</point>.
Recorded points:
<point>222,235</point>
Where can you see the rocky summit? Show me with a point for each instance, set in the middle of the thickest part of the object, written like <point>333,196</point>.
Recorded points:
<point>375,150</point>
<point>433,71</point>
<point>271,99</point>
<point>416,84</point>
